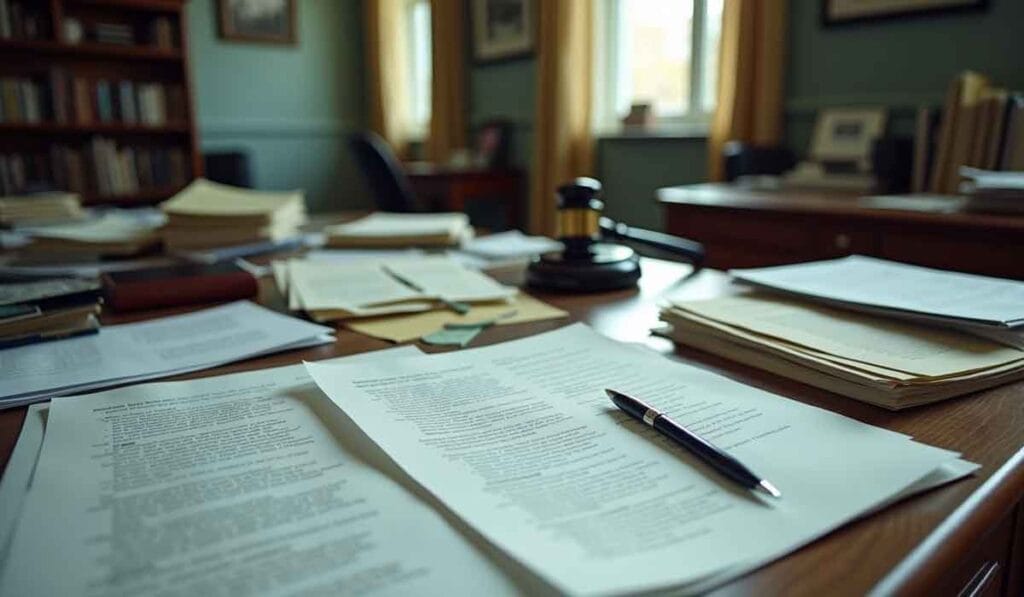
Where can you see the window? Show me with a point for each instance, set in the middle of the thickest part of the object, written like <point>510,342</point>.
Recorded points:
<point>417,16</point>
<point>659,52</point>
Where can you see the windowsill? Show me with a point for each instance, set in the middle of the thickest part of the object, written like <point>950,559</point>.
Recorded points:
<point>656,131</point>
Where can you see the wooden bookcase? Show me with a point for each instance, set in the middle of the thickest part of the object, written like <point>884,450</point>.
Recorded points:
<point>92,88</point>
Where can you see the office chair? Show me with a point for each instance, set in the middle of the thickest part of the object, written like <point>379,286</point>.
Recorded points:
<point>385,178</point>
<point>744,159</point>
<point>228,167</point>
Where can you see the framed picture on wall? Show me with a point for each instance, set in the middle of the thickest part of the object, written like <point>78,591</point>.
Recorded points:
<point>260,21</point>
<point>502,29</point>
<point>837,12</point>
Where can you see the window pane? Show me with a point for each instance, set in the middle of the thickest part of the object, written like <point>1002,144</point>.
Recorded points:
<point>419,63</point>
<point>655,54</point>
<point>712,39</point>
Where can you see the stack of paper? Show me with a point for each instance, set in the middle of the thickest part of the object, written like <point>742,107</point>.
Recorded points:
<point>520,442</point>
<point>206,214</point>
<point>114,233</point>
<point>39,209</point>
<point>328,291</point>
<point>398,230</point>
<point>48,310</point>
<point>273,489</point>
<point>990,190</point>
<point>157,348</point>
<point>889,363</point>
<point>949,299</point>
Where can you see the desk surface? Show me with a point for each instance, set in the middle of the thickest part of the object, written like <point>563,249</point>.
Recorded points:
<point>987,428</point>
<point>834,203</point>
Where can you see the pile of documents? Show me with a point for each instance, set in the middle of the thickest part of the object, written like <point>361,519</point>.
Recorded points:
<point>206,215</point>
<point>397,230</point>
<point>330,291</point>
<point>48,310</point>
<point>115,233</point>
<point>994,191</point>
<point>294,489</point>
<point>38,209</point>
<point>885,333</point>
<point>133,352</point>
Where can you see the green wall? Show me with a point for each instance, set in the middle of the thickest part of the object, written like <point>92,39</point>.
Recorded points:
<point>900,63</point>
<point>289,107</point>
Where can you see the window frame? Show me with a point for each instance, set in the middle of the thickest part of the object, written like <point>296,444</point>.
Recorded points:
<point>610,77</point>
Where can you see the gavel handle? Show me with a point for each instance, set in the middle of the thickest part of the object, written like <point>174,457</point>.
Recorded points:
<point>692,251</point>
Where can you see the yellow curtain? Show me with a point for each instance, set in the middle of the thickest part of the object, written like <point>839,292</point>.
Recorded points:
<point>749,77</point>
<point>447,85</point>
<point>387,71</point>
<point>563,142</point>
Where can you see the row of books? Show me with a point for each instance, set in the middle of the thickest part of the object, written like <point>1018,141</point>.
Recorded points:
<point>980,125</point>
<point>21,20</point>
<point>159,32</point>
<point>64,99</point>
<point>99,168</point>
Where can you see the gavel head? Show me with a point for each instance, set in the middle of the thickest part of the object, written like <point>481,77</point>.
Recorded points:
<point>579,210</point>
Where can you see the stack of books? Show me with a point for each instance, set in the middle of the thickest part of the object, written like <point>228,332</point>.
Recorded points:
<point>40,209</point>
<point>48,310</point>
<point>885,333</point>
<point>398,230</point>
<point>993,191</point>
<point>116,233</point>
<point>981,125</point>
<point>207,215</point>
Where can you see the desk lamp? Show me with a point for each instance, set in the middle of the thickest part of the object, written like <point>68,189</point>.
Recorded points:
<point>588,263</point>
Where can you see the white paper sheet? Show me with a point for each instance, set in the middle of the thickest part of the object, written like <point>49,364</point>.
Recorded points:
<point>134,351</point>
<point>444,278</point>
<point>520,441</point>
<point>18,475</point>
<point>898,287</point>
<point>229,485</point>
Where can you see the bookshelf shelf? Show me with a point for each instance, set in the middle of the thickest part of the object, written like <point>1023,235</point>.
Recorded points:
<point>73,112</point>
<point>89,50</point>
<point>91,129</point>
<point>142,198</point>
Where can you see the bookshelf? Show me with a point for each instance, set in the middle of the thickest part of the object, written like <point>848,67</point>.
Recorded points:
<point>96,98</point>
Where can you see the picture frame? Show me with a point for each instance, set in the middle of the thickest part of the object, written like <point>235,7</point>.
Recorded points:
<point>258,21</point>
<point>492,144</point>
<point>503,29</point>
<point>845,135</point>
<point>842,12</point>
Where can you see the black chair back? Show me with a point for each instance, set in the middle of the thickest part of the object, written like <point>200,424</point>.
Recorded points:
<point>385,178</point>
<point>228,167</point>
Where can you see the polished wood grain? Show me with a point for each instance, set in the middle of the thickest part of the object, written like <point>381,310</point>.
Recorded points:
<point>930,544</point>
<point>747,228</point>
<point>444,188</point>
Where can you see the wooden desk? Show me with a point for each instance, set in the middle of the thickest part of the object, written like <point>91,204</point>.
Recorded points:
<point>451,189</point>
<point>931,544</point>
<point>745,228</point>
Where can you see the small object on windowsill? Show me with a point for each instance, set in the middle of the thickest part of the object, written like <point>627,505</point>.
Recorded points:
<point>640,118</point>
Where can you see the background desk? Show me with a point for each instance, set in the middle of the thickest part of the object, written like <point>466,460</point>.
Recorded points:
<point>452,189</point>
<point>745,228</point>
<point>931,544</point>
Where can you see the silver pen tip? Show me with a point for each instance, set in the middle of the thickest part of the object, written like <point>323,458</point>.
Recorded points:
<point>768,488</point>
<point>610,393</point>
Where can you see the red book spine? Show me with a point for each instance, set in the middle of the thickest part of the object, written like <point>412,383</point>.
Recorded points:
<point>175,292</point>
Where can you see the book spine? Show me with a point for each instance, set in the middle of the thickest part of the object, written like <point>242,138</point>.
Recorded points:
<point>174,292</point>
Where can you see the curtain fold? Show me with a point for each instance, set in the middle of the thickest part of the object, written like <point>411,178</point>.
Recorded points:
<point>448,75</point>
<point>750,77</point>
<point>387,71</point>
<point>563,144</point>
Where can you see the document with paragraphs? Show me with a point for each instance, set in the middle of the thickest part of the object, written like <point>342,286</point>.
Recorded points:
<point>158,347</point>
<point>519,440</point>
<point>236,484</point>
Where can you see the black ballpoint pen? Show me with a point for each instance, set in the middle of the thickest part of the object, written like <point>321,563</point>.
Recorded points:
<point>698,446</point>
